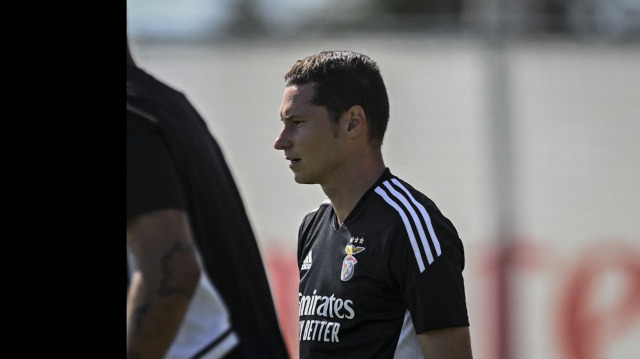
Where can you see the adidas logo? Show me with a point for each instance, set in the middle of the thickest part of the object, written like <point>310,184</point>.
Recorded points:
<point>306,264</point>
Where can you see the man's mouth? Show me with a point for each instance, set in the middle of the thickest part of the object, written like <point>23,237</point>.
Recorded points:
<point>292,161</point>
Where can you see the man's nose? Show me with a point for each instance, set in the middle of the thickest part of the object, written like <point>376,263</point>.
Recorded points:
<point>281,141</point>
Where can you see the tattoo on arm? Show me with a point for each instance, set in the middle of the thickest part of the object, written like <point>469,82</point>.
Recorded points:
<point>168,284</point>
<point>139,314</point>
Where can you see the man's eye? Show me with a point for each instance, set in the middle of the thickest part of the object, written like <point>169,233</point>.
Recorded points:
<point>297,123</point>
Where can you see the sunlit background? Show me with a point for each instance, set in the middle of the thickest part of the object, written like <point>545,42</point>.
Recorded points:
<point>520,119</point>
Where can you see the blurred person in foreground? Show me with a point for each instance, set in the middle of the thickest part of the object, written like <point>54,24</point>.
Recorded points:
<point>196,282</point>
<point>380,265</point>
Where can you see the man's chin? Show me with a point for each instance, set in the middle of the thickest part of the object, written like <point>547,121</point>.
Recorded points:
<point>302,180</point>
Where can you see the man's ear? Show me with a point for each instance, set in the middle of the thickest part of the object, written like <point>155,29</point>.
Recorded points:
<point>356,120</point>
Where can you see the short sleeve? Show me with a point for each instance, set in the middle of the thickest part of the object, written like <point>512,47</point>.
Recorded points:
<point>152,181</point>
<point>434,290</point>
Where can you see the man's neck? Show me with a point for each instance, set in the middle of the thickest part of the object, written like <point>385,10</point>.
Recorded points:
<point>345,193</point>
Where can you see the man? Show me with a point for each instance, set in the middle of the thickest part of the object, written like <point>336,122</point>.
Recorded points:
<point>196,283</point>
<point>380,266</point>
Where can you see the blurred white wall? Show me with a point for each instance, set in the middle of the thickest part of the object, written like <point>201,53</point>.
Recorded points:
<point>574,264</point>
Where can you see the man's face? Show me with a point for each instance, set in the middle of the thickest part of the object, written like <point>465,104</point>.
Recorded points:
<point>309,138</point>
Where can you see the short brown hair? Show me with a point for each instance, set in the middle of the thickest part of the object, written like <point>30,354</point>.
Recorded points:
<point>343,79</point>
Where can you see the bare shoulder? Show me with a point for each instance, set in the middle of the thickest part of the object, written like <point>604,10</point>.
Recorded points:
<point>166,218</point>
<point>153,236</point>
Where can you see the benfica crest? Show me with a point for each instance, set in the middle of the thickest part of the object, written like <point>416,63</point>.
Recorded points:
<point>349,262</point>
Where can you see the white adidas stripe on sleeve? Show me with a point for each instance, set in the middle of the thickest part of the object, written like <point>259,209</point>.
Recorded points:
<point>425,215</point>
<point>407,225</point>
<point>416,221</point>
<point>407,200</point>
